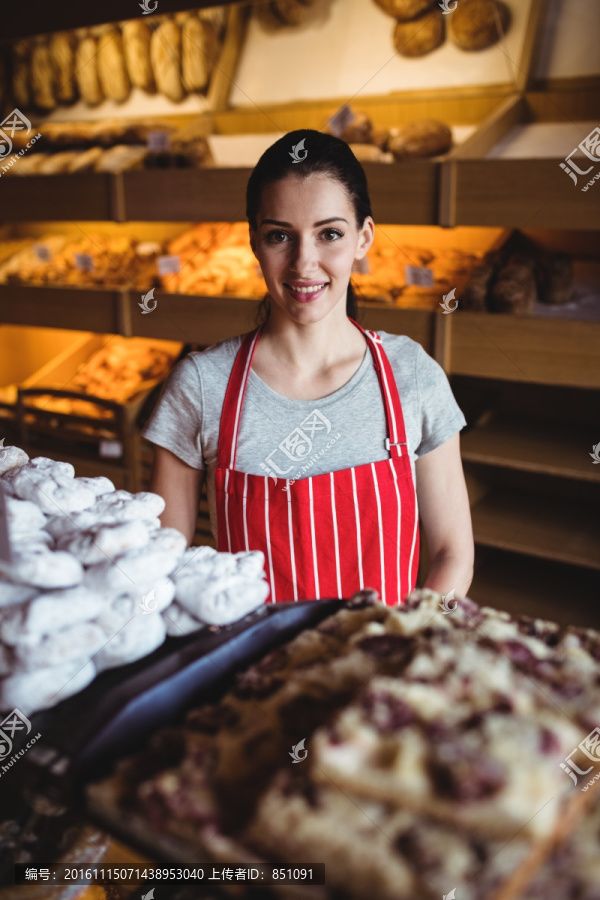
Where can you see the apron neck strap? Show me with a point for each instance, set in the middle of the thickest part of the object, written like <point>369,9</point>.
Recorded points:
<point>231,415</point>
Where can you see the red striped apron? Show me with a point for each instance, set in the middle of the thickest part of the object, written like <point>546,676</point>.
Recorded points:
<point>324,535</point>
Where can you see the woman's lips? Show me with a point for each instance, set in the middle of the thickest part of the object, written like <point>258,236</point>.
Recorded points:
<point>309,293</point>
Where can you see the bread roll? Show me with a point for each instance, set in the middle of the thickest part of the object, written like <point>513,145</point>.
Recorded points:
<point>63,45</point>
<point>404,10</point>
<point>86,71</point>
<point>111,66</point>
<point>86,161</point>
<point>194,68</point>
<point>477,24</point>
<point>58,162</point>
<point>514,290</point>
<point>21,76</point>
<point>425,137</point>
<point>368,153</point>
<point>165,54</point>
<point>420,36</point>
<point>41,76</point>
<point>136,47</point>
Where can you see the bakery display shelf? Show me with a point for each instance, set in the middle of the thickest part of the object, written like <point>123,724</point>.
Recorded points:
<point>532,445</point>
<point>83,309</point>
<point>91,196</point>
<point>540,588</point>
<point>509,172</point>
<point>549,526</point>
<point>548,351</point>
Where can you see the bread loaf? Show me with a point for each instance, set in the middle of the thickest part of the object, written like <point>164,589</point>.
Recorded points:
<point>418,37</point>
<point>21,80</point>
<point>58,162</point>
<point>194,66</point>
<point>477,24</point>
<point>514,290</point>
<point>86,160</point>
<point>556,278</point>
<point>165,54</point>
<point>425,137</point>
<point>404,10</point>
<point>136,47</point>
<point>121,157</point>
<point>41,76</point>
<point>86,71</point>
<point>111,66</point>
<point>63,45</point>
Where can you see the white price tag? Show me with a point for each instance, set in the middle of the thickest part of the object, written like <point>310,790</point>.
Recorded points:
<point>168,265</point>
<point>111,449</point>
<point>159,141</point>
<point>361,266</point>
<point>340,121</point>
<point>42,252</point>
<point>421,276</point>
<point>84,262</point>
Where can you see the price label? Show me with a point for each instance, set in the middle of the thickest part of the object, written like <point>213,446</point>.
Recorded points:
<point>168,265</point>
<point>111,449</point>
<point>361,266</point>
<point>159,141</point>
<point>421,276</point>
<point>42,252</point>
<point>84,262</point>
<point>340,121</point>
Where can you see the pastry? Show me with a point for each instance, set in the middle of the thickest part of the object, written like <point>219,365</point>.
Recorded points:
<point>178,621</point>
<point>48,612</point>
<point>168,540</point>
<point>12,594</point>
<point>52,491</point>
<point>43,568</point>
<point>11,458</point>
<point>123,506</point>
<point>418,37</point>
<point>144,602</point>
<point>424,137</point>
<point>29,165</point>
<point>86,71</point>
<point>99,485</point>
<point>74,644</point>
<point>120,158</point>
<point>42,688</point>
<point>23,516</point>
<point>404,10</point>
<point>58,162</point>
<point>219,601</point>
<point>41,76</point>
<point>137,567</point>
<point>86,161</point>
<point>194,68</point>
<point>165,54</point>
<point>514,289</point>
<point>63,45</point>
<point>112,71</point>
<point>103,542</point>
<point>477,24</point>
<point>136,47</point>
<point>139,637</point>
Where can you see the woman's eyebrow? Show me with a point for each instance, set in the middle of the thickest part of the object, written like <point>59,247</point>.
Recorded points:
<point>316,224</point>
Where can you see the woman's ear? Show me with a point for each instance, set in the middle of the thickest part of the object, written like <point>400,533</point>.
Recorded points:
<point>366,236</point>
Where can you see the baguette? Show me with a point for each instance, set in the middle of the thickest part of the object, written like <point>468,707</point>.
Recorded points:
<point>165,55</point>
<point>194,66</point>
<point>41,76</point>
<point>111,66</point>
<point>136,47</point>
<point>86,65</point>
<point>63,45</point>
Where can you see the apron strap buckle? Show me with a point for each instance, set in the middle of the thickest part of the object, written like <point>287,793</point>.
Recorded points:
<point>387,444</point>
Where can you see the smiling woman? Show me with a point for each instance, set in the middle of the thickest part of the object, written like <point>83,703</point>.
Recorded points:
<point>252,410</point>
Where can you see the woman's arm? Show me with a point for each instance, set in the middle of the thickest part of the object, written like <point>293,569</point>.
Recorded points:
<point>446,516</point>
<point>179,485</point>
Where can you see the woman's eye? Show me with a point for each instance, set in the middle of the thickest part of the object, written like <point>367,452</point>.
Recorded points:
<point>332,231</point>
<point>275,237</point>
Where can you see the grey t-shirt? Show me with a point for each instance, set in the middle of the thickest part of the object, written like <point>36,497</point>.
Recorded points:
<point>293,439</point>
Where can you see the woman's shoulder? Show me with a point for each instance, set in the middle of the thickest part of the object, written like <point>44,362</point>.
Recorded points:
<point>218,357</point>
<point>400,347</point>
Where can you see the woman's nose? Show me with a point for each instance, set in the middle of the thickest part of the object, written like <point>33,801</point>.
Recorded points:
<point>304,257</point>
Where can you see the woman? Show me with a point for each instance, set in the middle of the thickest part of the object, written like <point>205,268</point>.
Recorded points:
<point>313,432</point>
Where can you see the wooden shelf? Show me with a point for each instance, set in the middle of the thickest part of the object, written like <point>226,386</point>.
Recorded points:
<point>533,587</point>
<point>549,527</point>
<point>532,445</point>
<point>82,309</point>
<point>525,348</point>
<point>60,198</point>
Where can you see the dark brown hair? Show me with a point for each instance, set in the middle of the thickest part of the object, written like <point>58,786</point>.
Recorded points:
<point>325,155</point>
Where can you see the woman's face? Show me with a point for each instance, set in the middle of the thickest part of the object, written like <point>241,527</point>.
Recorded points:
<point>306,242</point>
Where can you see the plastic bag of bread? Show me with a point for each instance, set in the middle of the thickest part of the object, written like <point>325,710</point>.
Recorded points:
<point>112,70</point>
<point>63,45</point>
<point>404,10</point>
<point>41,76</point>
<point>165,55</point>
<point>86,71</point>
<point>425,137</point>
<point>21,81</point>
<point>194,70</point>
<point>420,36</point>
<point>477,24</point>
<point>136,48</point>
<point>121,157</point>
